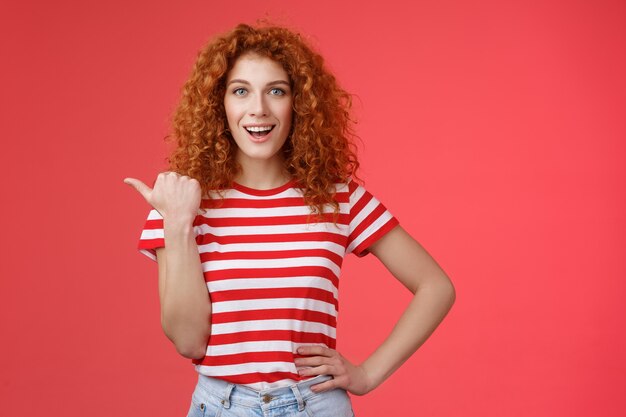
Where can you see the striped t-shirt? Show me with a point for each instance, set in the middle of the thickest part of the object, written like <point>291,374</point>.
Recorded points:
<point>272,277</point>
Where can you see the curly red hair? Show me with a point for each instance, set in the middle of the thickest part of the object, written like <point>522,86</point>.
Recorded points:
<point>320,149</point>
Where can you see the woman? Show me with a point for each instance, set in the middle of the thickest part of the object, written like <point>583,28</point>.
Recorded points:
<point>250,228</point>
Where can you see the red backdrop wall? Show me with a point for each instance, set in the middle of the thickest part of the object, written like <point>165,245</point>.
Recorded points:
<point>493,130</point>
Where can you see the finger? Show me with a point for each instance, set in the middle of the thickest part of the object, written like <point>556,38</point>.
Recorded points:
<point>315,350</point>
<point>325,386</point>
<point>318,370</point>
<point>142,188</point>
<point>311,361</point>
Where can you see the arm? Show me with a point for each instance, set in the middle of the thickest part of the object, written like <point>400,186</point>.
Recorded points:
<point>183,294</point>
<point>433,297</point>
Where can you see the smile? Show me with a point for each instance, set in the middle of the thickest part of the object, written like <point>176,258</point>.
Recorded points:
<point>259,132</point>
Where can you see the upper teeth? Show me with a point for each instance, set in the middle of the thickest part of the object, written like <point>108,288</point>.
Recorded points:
<point>259,128</point>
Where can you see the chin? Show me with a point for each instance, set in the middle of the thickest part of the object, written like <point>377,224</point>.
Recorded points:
<point>258,155</point>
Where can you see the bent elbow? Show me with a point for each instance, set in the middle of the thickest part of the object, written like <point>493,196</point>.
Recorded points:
<point>444,289</point>
<point>191,353</point>
<point>189,344</point>
<point>451,293</point>
<point>192,349</point>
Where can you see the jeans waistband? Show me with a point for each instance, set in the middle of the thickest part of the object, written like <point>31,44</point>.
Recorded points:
<point>228,393</point>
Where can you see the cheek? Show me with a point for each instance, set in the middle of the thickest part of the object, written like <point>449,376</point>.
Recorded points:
<point>286,113</point>
<point>231,113</point>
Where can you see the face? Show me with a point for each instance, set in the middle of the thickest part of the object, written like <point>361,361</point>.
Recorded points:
<point>258,102</point>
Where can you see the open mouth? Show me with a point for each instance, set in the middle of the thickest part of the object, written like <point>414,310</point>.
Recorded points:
<point>259,131</point>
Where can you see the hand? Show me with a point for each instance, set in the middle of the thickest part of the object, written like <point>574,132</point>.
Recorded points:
<point>173,196</point>
<point>328,361</point>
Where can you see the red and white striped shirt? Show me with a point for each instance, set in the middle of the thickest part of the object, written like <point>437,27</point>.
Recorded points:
<point>273,278</point>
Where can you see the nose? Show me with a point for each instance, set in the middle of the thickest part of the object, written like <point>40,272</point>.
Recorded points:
<point>258,106</point>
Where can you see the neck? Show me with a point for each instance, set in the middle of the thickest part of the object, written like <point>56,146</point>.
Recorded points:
<point>262,174</point>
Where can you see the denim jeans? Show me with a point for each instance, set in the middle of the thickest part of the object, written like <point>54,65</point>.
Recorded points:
<point>217,398</point>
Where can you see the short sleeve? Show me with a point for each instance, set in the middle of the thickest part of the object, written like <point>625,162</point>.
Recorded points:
<point>152,236</point>
<point>369,220</point>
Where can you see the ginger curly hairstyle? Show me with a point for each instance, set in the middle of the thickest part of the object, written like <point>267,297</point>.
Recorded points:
<point>320,149</point>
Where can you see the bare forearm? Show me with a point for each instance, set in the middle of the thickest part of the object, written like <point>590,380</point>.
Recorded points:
<point>185,302</point>
<point>428,307</point>
<point>433,296</point>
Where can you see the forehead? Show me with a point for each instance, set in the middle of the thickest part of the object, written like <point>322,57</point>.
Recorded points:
<point>252,67</point>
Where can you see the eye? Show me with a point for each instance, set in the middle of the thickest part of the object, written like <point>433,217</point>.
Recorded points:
<point>239,91</point>
<point>277,92</point>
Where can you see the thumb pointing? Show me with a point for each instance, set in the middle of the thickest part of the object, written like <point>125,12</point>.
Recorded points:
<point>138,185</point>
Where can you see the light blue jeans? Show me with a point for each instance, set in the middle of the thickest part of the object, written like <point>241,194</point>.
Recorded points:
<point>216,398</point>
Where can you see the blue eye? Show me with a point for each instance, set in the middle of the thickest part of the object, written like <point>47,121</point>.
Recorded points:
<point>239,91</point>
<point>277,92</point>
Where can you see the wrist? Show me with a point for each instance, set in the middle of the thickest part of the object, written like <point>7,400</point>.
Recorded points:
<point>370,383</point>
<point>178,226</point>
<point>370,376</point>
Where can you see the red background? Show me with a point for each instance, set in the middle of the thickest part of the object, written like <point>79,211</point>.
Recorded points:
<point>493,130</point>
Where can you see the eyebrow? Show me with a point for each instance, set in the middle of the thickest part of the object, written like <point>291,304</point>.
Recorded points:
<point>277,82</point>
